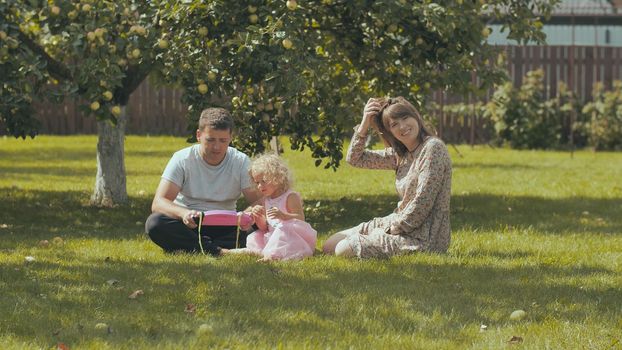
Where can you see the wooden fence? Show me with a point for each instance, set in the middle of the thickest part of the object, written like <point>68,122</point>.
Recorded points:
<point>151,110</point>
<point>159,110</point>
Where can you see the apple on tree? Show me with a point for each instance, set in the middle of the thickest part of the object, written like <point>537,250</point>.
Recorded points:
<point>211,76</point>
<point>202,88</point>
<point>287,43</point>
<point>116,111</point>
<point>163,44</point>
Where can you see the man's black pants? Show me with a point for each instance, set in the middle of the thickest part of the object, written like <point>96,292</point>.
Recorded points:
<point>172,235</point>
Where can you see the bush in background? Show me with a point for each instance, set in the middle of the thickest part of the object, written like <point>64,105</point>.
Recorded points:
<point>522,117</point>
<point>604,127</point>
<point>564,105</point>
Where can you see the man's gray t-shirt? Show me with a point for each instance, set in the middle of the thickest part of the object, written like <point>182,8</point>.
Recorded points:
<point>204,186</point>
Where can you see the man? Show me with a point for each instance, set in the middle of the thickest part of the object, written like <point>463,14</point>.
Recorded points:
<point>209,175</point>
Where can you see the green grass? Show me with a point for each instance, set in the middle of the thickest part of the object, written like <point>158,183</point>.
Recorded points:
<point>538,231</point>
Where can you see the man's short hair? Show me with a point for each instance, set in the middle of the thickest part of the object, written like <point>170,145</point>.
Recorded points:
<point>216,118</point>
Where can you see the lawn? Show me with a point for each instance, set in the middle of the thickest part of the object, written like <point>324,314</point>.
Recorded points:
<point>537,231</point>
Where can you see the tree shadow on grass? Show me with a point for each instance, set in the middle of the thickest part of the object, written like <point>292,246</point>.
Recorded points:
<point>546,215</point>
<point>29,216</point>
<point>251,302</point>
<point>165,155</point>
<point>473,212</point>
<point>60,297</point>
<point>496,166</point>
<point>46,154</point>
<point>35,215</point>
<point>34,173</point>
<point>31,172</point>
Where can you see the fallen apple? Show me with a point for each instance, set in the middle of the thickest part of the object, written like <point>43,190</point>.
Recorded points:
<point>204,329</point>
<point>102,327</point>
<point>517,315</point>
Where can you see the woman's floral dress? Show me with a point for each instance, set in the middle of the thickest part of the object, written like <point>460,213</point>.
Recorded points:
<point>421,220</point>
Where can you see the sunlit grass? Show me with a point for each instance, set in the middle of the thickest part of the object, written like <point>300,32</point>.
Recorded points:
<point>538,231</point>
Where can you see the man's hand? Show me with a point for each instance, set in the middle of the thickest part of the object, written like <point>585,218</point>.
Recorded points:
<point>188,218</point>
<point>248,226</point>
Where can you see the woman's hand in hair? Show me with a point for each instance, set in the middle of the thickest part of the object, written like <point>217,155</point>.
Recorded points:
<point>372,107</point>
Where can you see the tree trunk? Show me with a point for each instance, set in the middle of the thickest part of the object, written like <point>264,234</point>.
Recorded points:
<point>110,185</point>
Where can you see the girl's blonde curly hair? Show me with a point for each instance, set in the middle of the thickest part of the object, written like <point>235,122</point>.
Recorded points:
<point>273,170</point>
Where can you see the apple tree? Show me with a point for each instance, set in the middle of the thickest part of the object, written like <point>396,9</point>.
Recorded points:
<point>301,69</point>
<point>305,68</point>
<point>96,51</point>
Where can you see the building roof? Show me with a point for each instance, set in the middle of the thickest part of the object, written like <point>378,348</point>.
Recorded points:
<point>585,7</point>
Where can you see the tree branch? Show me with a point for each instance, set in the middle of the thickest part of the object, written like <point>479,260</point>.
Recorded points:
<point>134,75</point>
<point>55,68</point>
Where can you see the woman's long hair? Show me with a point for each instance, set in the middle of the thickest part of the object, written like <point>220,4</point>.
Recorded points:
<point>399,108</point>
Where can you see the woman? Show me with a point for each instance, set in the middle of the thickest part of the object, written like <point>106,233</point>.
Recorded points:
<point>422,179</point>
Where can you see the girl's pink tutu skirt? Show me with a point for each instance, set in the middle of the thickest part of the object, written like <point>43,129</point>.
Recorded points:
<point>288,240</point>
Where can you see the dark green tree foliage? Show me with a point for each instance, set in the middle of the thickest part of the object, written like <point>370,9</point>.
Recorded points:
<point>301,69</point>
<point>305,69</point>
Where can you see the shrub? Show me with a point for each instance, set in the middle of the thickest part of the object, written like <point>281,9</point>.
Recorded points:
<point>564,105</point>
<point>522,117</point>
<point>605,123</point>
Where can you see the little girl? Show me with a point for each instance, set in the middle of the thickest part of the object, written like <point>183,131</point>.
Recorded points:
<point>283,234</point>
